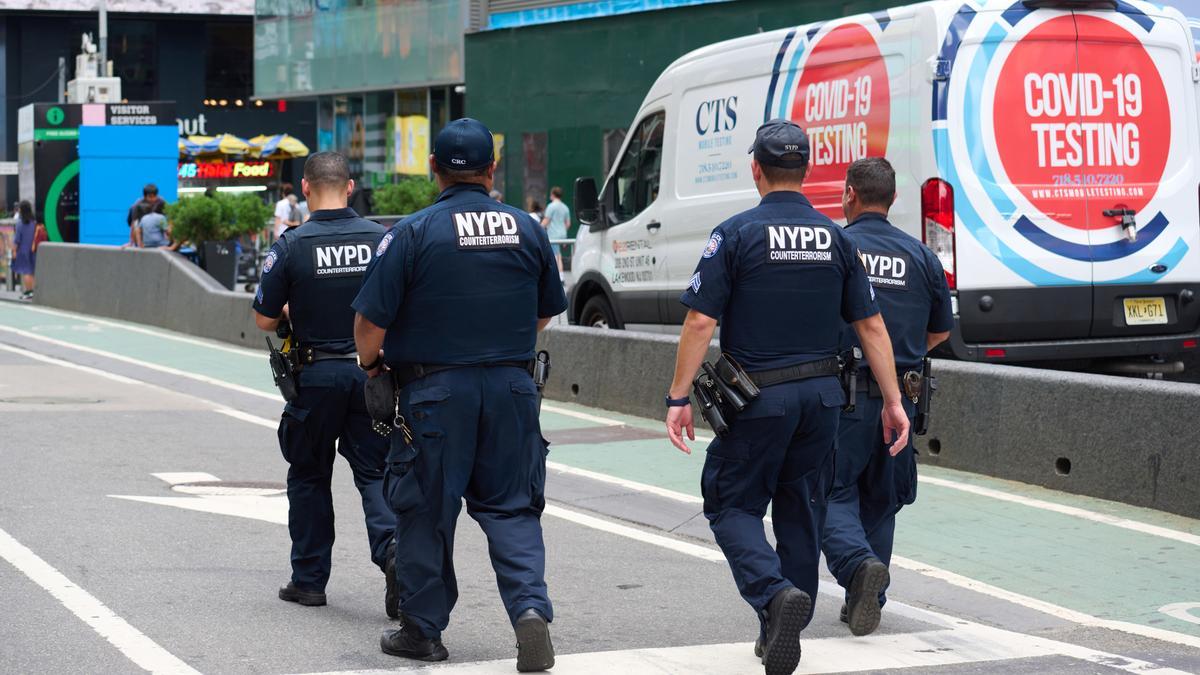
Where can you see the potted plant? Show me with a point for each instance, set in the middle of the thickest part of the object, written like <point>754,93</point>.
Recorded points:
<point>214,224</point>
<point>405,197</point>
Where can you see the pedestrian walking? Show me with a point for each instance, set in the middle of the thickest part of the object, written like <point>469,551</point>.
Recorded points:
<point>455,299</point>
<point>783,280</point>
<point>871,484</point>
<point>556,221</point>
<point>283,209</point>
<point>25,241</point>
<point>309,277</point>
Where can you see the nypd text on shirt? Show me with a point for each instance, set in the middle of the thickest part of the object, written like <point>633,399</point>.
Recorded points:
<point>486,230</point>
<point>341,260</point>
<point>799,244</point>
<point>887,270</point>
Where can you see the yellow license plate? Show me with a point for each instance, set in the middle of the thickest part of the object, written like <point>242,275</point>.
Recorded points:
<point>1145,311</point>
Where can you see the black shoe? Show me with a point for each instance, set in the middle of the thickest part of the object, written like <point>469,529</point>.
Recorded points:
<point>786,614</point>
<point>307,598</point>
<point>534,651</point>
<point>391,597</point>
<point>758,646</point>
<point>842,615</point>
<point>409,643</point>
<point>862,605</point>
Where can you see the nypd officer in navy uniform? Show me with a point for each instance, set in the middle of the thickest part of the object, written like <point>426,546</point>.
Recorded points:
<point>783,280</point>
<point>455,297</point>
<point>871,484</point>
<point>310,276</point>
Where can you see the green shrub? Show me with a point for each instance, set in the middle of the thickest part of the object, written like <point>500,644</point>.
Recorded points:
<point>221,217</point>
<point>408,196</point>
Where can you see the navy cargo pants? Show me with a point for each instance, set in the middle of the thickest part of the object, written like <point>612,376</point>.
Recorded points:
<point>475,436</point>
<point>780,452</point>
<point>330,408</point>
<point>870,487</point>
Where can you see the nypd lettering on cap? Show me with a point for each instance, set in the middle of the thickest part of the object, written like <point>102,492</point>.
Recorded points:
<point>714,245</point>
<point>486,230</point>
<point>341,259</point>
<point>887,270</point>
<point>799,244</point>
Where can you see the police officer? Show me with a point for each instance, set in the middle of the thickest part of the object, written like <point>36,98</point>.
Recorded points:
<point>456,296</point>
<point>310,276</point>
<point>870,483</point>
<point>782,279</point>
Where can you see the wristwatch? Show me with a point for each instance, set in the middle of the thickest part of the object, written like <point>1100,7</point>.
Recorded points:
<point>372,365</point>
<point>678,402</point>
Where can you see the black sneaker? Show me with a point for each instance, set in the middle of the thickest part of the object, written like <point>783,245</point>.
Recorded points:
<point>842,615</point>
<point>758,646</point>
<point>786,614</point>
<point>290,593</point>
<point>391,597</point>
<point>534,651</point>
<point>410,643</point>
<point>862,605</point>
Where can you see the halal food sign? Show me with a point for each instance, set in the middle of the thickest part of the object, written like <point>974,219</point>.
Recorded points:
<point>1071,127</point>
<point>226,170</point>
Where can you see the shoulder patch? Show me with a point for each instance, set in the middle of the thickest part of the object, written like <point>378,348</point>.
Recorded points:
<point>694,284</point>
<point>809,244</point>
<point>485,230</point>
<point>269,262</point>
<point>383,243</point>
<point>714,245</point>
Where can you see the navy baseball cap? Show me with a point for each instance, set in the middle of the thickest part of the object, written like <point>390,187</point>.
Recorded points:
<point>464,144</point>
<point>781,143</point>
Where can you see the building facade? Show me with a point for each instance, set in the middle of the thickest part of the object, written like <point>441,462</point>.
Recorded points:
<point>197,53</point>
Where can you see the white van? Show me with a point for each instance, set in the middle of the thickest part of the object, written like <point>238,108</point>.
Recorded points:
<point>1047,151</point>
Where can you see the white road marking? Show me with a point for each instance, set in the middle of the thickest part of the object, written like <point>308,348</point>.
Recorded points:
<point>267,509</point>
<point>921,568</point>
<point>144,652</point>
<point>672,543</point>
<point>626,484</point>
<point>67,364</point>
<point>1182,611</point>
<point>1084,514</point>
<point>605,421</point>
<point>144,364</point>
<point>145,330</point>
<point>180,477</point>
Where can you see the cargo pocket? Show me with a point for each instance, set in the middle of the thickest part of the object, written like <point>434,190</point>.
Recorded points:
<point>906,477</point>
<point>738,445</point>
<point>402,486</point>
<point>293,436</point>
<point>425,417</point>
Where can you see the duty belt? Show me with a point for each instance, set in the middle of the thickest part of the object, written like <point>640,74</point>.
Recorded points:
<point>867,383</point>
<point>819,368</point>
<point>407,373</point>
<point>308,355</point>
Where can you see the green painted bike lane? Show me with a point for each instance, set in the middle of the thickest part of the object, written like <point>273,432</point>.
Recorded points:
<point>1091,567</point>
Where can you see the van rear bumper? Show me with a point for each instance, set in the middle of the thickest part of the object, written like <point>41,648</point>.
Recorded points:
<point>1083,348</point>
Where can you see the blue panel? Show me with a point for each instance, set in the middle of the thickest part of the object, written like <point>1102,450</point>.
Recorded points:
<point>114,164</point>
<point>586,9</point>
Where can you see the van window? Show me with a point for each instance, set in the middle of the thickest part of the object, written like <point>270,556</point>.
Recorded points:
<point>637,178</point>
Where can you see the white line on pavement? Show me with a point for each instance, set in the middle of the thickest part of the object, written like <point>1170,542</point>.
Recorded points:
<point>144,364</point>
<point>131,642</point>
<point>922,568</point>
<point>58,362</point>
<point>672,543</point>
<point>1124,523</point>
<point>144,330</point>
<point>582,416</point>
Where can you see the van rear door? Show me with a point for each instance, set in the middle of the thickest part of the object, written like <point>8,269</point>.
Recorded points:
<point>1136,66</point>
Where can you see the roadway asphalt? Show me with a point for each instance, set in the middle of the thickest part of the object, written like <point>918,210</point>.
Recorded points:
<point>114,560</point>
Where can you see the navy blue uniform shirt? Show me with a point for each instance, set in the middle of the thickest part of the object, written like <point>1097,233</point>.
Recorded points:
<point>463,281</point>
<point>316,270</point>
<point>783,279</point>
<point>911,287</point>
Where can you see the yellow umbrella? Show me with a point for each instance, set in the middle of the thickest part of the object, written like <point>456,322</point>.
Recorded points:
<point>224,144</point>
<point>278,146</point>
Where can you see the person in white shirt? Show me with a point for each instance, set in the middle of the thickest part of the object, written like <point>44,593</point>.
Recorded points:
<point>283,209</point>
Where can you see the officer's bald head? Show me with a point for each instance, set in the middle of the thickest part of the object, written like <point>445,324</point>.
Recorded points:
<point>327,183</point>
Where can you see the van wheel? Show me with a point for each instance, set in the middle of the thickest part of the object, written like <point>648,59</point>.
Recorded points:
<point>597,313</point>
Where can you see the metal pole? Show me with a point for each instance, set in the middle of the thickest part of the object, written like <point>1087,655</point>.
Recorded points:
<point>103,55</point>
<point>62,79</point>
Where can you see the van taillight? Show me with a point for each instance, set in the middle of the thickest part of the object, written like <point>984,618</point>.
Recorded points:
<point>937,215</point>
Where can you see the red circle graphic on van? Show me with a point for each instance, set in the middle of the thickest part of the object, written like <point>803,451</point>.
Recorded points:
<point>1080,133</point>
<point>843,102</point>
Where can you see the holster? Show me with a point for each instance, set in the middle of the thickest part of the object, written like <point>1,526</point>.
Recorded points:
<point>925,400</point>
<point>283,372</point>
<point>722,391</point>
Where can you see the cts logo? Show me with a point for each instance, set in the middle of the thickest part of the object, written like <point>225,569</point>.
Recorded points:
<point>799,243</point>
<point>486,230</point>
<point>716,115</point>
<point>887,270</point>
<point>341,260</point>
